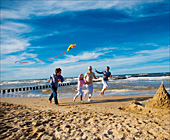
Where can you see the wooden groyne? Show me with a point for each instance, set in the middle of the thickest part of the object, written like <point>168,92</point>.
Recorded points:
<point>13,90</point>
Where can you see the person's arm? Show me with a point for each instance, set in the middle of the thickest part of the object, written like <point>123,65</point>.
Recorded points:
<point>110,75</point>
<point>84,81</point>
<point>61,79</point>
<point>48,80</point>
<point>98,72</point>
<point>85,78</point>
<point>95,76</point>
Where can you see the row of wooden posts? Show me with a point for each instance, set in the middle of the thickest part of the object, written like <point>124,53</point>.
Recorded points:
<point>3,91</point>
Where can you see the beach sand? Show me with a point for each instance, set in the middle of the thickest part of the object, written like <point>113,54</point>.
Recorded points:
<point>105,118</point>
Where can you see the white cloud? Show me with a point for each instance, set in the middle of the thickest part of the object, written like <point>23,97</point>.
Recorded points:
<point>44,36</point>
<point>9,60</point>
<point>80,57</point>
<point>122,62</point>
<point>14,27</point>
<point>142,61</point>
<point>149,44</point>
<point>29,9</point>
<point>143,57</point>
<point>107,49</point>
<point>143,69</point>
<point>13,45</point>
<point>12,41</point>
<point>163,51</point>
<point>44,8</point>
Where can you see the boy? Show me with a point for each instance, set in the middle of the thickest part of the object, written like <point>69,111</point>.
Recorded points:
<point>54,79</point>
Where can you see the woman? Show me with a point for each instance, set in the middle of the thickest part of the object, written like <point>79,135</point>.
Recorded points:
<point>89,81</point>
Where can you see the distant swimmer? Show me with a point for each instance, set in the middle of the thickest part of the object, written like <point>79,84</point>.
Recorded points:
<point>106,74</point>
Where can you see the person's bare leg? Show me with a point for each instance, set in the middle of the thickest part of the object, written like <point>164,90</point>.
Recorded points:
<point>103,91</point>
<point>89,99</point>
<point>75,98</point>
<point>85,94</point>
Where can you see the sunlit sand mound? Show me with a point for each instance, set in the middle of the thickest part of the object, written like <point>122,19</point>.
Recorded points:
<point>47,91</point>
<point>161,99</point>
<point>138,108</point>
<point>133,106</point>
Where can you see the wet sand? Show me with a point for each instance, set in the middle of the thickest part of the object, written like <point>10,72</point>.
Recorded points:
<point>104,118</point>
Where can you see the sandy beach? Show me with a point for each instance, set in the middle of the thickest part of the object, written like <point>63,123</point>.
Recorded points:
<point>117,117</point>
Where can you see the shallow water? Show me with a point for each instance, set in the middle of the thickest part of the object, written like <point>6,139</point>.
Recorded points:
<point>129,86</point>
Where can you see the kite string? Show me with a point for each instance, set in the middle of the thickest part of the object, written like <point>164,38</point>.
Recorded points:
<point>70,47</point>
<point>58,55</point>
<point>54,56</point>
<point>42,59</point>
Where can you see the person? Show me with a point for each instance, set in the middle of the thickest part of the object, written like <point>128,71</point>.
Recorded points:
<point>89,81</point>
<point>106,74</point>
<point>54,79</point>
<point>80,87</point>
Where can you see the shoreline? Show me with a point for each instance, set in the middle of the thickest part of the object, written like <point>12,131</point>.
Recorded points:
<point>104,118</point>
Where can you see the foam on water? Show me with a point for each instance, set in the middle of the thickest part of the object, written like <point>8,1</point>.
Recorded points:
<point>128,86</point>
<point>148,78</point>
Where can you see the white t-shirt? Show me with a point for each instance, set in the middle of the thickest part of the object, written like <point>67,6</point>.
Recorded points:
<point>89,77</point>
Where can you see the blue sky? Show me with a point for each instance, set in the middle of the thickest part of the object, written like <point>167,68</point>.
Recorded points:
<point>129,36</point>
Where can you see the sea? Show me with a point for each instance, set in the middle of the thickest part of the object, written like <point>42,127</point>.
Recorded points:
<point>119,85</point>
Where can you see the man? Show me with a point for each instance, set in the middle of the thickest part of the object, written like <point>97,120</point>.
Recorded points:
<point>106,74</point>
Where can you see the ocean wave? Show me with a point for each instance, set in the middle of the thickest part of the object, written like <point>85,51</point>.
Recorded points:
<point>148,78</point>
<point>120,90</point>
<point>22,82</point>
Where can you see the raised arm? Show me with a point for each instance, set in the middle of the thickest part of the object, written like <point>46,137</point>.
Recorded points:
<point>98,72</point>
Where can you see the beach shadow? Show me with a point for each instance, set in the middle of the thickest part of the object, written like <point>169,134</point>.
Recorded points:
<point>106,101</point>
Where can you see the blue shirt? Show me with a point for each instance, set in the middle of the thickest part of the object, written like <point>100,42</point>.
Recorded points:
<point>54,80</point>
<point>105,75</point>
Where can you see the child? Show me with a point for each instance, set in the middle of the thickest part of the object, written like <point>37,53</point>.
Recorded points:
<point>54,79</point>
<point>79,87</point>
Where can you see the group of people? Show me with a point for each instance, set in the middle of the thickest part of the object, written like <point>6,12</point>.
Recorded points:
<point>86,79</point>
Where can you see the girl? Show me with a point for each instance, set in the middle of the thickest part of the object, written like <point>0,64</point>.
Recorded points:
<point>80,87</point>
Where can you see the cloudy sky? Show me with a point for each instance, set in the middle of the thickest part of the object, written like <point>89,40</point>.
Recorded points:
<point>130,36</point>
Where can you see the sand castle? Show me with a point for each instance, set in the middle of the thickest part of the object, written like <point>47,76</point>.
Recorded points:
<point>161,99</point>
